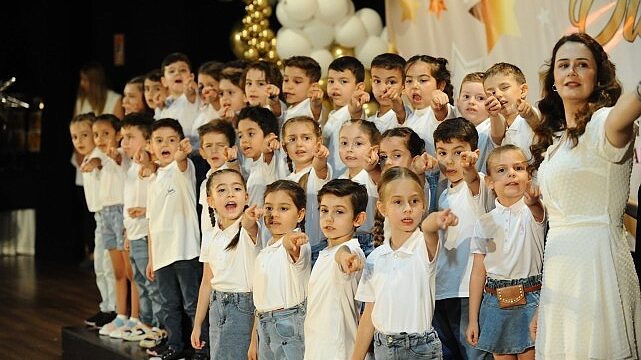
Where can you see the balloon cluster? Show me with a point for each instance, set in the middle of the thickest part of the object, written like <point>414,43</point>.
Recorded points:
<point>252,39</point>
<point>328,29</point>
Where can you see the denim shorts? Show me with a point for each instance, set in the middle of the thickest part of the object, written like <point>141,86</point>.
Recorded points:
<point>231,318</point>
<point>506,331</point>
<point>113,227</point>
<point>407,346</point>
<point>280,333</point>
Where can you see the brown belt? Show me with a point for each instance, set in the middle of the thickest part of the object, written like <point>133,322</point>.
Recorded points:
<point>526,289</point>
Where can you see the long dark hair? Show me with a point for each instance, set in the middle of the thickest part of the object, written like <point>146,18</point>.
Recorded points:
<point>606,92</point>
<point>212,214</point>
<point>295,191</point>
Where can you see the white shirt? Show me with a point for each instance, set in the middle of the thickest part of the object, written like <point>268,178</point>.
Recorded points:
<point>91,181</point>
<point>206,228</point>
<point>184,111</point>
<point>363,178</point>
<point>485,144</point>
<point>261,174</point>
<point>388,120</point>
<point>511,240</point>
<point>332,312</point>
<point>314,184</point>
<point>135,195</point>
<point>280,283</point>
<point>331,134</point>
<point>76,166</point>
<point>519,134</point>
<point>232,269</point>
<point>303,108</point>
<point>112,180</point>
<point>171,210</point>
<point>400,283</point>
<point>454,264</point>
<point>424,122</point>
<point>206,114</point>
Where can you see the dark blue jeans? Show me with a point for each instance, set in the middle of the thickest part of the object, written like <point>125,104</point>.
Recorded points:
<point>450,322</point>
<point>178,284</point>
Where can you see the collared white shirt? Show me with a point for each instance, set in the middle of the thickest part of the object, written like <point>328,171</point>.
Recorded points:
<point>184,111</point>
<point>424,122</point>
<point>206,114</point>
<point>519,134</point>
<point>314,184</point>
<point>511,240</point>
<point>400,283</point>
<point>388,120</point>
<point>261,174</point>
<point>332,313</point>
<point>485,144</point>
<point>135,195</point>
<point>280,283</point>
<point>363,178</point>
<point>303,108</point>
<point>232,269</point>
<point>331,134</point>
<point>206,227</point>
<point>171,210</point>
<point>454,264</point>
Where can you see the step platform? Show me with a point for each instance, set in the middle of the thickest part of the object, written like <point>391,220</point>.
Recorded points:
<point>82,343</point>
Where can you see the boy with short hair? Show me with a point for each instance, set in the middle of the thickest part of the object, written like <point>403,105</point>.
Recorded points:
<point>303,95</point>
<point>512,117</point>
<point>173,233</point>
<point>388,79</point>
<point>471,105</point>
<point>467,196</point>
<point>155,92</point>
<point>345,85</point>
<point>335,276</point>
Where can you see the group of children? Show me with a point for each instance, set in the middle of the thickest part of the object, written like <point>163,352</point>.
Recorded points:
<point>414,233</point>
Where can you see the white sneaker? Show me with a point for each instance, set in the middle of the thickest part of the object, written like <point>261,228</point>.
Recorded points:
<point>119,332</point>
<point>111,327</point>
<point>137,333</point>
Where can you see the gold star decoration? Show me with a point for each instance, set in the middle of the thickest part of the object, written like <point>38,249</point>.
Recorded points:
<point>409,8</point>
<point>499,19</point>
<point>437,7</point>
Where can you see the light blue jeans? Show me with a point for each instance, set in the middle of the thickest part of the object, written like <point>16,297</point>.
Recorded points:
<point>150,300</point>
<point>280,334</point>
<point>405,346</point>
<point>112,227</point>
<point>231,318</point>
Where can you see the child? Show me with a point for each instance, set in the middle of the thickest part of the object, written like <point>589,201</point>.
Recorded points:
<point>302,93</point>
<point>359,140</point>
<point>471,105</point>
<point>133,99</point>
<point>155,92</point>
<point>468,197</point>
<point>262,82</point>
<point>281,274</point>
<point>228,268</point>
<point>112,165</point>
<point>332,312</point>
<point>217,148</point>
<point>231,95</point>
<point>208,90</point>
<point>345,79</point>
<point>173,232</point>
<point>397,284</point>
<point>182,102</point>
<point>388,77</point>
<point>308,156</point>
<point>512,118</point>
<point>136,130</point>
<point>508,255</point>
<point>83,143</point>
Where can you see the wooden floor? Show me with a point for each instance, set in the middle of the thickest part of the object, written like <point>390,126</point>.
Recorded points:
<point>36,301</point>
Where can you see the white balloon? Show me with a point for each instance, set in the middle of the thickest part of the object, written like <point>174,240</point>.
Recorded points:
<point>351,8</point>
<point>320,34</point>
<point>299,10</point>
<point>323,57</point>
<point>372,21</point>
<point>350,32</point>
<point>384,35</point>
<point>332,11</point>
<point>373,46</point>
<point>290,42</point>
<point>285,20</point>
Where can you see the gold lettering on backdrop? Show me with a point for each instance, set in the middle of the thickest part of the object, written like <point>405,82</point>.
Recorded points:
<point>624,13</point>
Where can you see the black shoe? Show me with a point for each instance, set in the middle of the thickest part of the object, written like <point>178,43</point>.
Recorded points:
<point>92,320</point>
<point>158,349</point>
<point>105,318</point>
<point>199,355</point>
<point>169,354</point>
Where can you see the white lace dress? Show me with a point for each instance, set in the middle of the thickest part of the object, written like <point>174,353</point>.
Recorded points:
<point>590,304</point>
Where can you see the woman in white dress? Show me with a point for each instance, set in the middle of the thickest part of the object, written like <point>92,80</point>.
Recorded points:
<point>590,304</point>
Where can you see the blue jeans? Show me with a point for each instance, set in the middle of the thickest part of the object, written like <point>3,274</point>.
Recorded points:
<point>179,283</point>
<point>150,301</point>
<point>280,334</point>
<point>231,318</point>
<point>112,227</point>
<point>450,322</point>
<point>407,346</point>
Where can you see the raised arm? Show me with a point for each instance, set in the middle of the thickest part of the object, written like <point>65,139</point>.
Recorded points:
<point>432,224</point>
<point>470,174</point>
<point>619,124</point>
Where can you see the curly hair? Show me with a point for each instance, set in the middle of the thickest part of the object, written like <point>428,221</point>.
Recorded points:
<point>606,92</point>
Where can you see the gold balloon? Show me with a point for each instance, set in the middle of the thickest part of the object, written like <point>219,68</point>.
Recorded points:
<point>264,23</point>
<point>250,54</point>
<point>238,45</point>
<point>323,84</point>
<point>370,108</point>
<point>340,50</point>
<point>244,35</point>
<point>267,35</point>
<point>368,81</point>
<point>250,8</point>
<point>255,29</point>
<point>273,42</point>
<point>262,46</point>
<point>260,3</point>
<point>257,16</point>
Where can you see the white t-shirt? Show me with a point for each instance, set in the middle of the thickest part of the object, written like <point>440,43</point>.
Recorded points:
<point>485,145</point>
<point>232,269</point>
<point>135,195</point>
<point>91,181</point>
<point>261,174</point>
<point>280,283</point>
<point>171,210</point>
<point>511,240</point>
<point>303,108</point>
<point>423,122</point>
<point>83,107</point>
<point>205,115</point>
<point>184,111</point>
<point>400,283</point>
<point>331,134</point>
<point>520,134</point>
<point>363,178</point>
<point>332,313</point>
<point>312,217</point>
<point>112,180</point>
<point>454,264</point>
<point>388,120</point>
